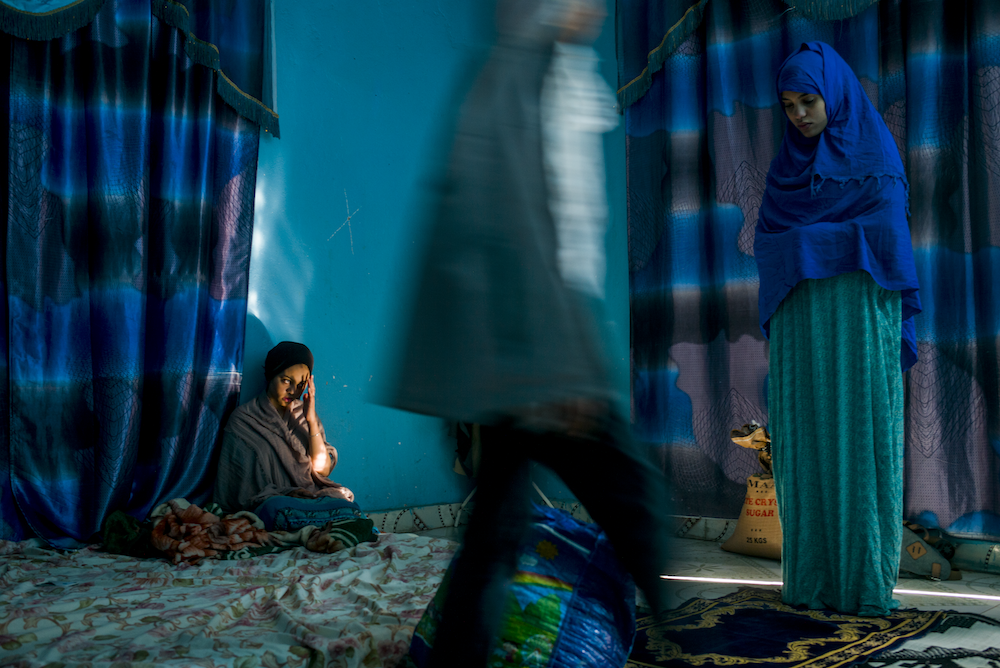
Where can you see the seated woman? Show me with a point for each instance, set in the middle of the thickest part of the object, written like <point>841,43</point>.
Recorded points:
<point>274,447</point>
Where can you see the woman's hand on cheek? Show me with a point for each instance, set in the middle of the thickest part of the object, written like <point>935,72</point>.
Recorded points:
<point>309,401</point>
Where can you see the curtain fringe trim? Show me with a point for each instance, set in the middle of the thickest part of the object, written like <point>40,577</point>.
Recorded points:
<point>58,22</point>
<point>829,10</point>
<point>206,54</point>
<point>44,26</point>
<point>822,10</point>
<point>631,92</point>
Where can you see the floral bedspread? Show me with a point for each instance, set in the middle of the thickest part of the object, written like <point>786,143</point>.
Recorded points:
<point>292,609</point>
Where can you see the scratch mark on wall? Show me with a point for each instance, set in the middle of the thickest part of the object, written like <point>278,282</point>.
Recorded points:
<point>346,222</point>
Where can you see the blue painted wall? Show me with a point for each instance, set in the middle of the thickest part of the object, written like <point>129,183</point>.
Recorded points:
<point>364,93</point>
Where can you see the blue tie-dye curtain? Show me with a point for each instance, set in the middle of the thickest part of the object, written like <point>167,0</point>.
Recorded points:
<point>703,124</point>
<point>129,192</point>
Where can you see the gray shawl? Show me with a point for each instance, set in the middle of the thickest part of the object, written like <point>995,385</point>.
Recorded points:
<point>265,454</point>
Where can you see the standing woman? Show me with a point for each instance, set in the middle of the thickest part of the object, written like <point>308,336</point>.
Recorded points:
<point>838,292</point>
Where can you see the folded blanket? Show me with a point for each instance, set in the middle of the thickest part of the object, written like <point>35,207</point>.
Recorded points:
<point>184,532</point>
<point>191,534</point>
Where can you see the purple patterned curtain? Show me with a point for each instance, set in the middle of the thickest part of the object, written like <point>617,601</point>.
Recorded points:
<point>702,127</point>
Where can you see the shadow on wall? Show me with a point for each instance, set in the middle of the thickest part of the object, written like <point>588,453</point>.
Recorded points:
<point>258,343</point>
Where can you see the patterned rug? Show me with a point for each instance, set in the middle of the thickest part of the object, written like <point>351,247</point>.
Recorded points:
<point>754,628</point>
<point>962,640</point>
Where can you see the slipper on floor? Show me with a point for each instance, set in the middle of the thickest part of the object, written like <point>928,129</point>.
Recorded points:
<point>918,557</point>
<point>939,541</point>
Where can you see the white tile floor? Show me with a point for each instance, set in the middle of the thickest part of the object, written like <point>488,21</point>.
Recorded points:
<point>706,559</point>
<point>699,558</point>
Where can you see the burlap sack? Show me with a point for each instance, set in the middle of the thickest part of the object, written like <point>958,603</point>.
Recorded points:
<point>758,530</point>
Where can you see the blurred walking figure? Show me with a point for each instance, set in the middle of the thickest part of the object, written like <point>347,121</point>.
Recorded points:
<point>506,329</point>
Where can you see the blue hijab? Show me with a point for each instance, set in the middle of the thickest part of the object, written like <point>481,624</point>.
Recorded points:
<point>835,203</point>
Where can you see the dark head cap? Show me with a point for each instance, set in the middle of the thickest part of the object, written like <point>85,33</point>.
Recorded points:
<point>286,354</point>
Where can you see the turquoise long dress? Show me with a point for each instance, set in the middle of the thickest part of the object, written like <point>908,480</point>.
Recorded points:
<point>835,395</point>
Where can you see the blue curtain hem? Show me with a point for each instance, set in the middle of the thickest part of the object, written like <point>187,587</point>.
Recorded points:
<point>56,23</point>
<point>204,53</point>
<point>44,26</point>
<point>632,92</point>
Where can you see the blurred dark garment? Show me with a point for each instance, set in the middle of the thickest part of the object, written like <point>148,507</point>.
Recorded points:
<point>497,337</point>
<point>494,328</point>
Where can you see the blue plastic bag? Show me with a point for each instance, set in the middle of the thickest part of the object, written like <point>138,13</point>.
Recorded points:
<point>571,603</point>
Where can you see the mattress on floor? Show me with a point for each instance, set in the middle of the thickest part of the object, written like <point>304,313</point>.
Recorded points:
<point>356,607</point>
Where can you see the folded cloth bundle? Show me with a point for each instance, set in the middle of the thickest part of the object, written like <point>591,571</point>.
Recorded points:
<point>190,533</point>
<point>754,436</point>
